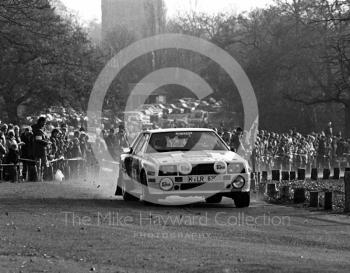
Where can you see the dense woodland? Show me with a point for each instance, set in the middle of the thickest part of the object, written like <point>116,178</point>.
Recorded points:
<point>296,54</point>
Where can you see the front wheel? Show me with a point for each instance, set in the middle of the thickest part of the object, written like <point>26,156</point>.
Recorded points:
<point>126,195</point>
<point>242,199</point>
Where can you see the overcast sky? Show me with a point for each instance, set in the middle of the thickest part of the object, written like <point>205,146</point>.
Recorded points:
<point>91,9</point>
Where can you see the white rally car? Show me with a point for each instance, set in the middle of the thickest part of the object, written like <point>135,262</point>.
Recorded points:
<point>183,162</point>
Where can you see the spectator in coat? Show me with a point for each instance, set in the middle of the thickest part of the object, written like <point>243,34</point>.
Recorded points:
<point>329,130</point>
<point>74,152</point>
<point>40,144</point>
<point>3,133</point>
<point>2,148</point>
<point>26,150</point>
<point>321,151</point>
<point>12,148</point>
<point>12,156</point>
<point>236,139</point>
<point>54,143</point>
<point>17,133</point>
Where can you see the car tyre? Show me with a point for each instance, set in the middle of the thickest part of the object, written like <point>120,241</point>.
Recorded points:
<point>215,199</point>
<point>242,199</point>
<point>126,195</point>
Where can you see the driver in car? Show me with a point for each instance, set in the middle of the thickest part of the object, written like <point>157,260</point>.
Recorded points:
<point>159,143</point>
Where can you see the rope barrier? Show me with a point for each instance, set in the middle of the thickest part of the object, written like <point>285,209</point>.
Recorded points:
<point>288,155</point>
<point>54,160</point>
<point>8,165</point>
<point>28,160</point>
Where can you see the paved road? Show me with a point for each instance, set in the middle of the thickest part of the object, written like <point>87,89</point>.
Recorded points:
<point>80,227</point>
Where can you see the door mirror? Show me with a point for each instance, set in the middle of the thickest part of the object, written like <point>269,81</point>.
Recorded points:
<point>127,151</point>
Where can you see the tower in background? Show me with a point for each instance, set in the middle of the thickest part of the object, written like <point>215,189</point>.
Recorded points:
<point>141,17</point>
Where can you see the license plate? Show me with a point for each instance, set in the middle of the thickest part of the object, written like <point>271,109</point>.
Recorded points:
<point>202,179</point>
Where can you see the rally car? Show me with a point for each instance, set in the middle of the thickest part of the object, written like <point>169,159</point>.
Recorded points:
<point>182,162</point>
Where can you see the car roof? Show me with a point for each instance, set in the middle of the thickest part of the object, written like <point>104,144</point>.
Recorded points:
<point>179,130</point>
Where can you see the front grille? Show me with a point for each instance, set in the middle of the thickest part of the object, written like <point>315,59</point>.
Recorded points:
<point>203,169</point>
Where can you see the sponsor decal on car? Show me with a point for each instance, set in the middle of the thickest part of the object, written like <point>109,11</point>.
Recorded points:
<point>220,167</point>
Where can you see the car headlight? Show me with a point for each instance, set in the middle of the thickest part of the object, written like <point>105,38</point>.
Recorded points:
<point>168,170</point>
<point>239,182</point>
<point>185,168</point>
<point>235,168</point>
<point>166,184</point>
<point>151,171</point>
<point>220,167</point>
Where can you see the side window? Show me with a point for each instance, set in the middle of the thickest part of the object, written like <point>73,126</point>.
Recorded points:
<point>145,143</point>
<point>140,145</point>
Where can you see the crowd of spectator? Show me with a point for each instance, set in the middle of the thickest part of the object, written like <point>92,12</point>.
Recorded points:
<point>38,152</point>
<point>33,153</point>
<point>292,150</point>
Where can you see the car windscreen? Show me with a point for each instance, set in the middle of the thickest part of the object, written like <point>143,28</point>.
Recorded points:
<point>185,141</point>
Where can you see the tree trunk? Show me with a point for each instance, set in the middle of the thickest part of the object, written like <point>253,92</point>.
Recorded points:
<point>11,110</point>
<point>347,119</point>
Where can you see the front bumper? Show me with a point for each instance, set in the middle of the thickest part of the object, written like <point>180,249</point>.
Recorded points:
<point>199,186</point>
